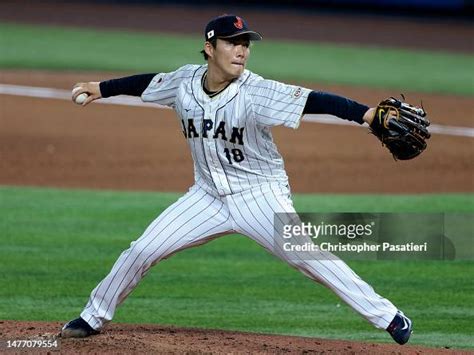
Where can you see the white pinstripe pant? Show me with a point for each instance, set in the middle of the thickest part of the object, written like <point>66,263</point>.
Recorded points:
<point>197,218</point>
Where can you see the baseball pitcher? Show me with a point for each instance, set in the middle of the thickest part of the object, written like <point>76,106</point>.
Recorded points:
<point>226,114</point>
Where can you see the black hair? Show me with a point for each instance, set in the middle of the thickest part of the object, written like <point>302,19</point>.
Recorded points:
<point>213,43</point>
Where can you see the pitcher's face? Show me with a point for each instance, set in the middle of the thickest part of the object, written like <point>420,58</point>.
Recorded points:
<point>229,57</point>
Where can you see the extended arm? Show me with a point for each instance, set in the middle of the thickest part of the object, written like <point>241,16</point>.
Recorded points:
<point>131,85</point>
<point>325,103</point>
<point>401,127</point>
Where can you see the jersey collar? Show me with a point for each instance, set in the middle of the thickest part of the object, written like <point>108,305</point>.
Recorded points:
<point>220,99</point>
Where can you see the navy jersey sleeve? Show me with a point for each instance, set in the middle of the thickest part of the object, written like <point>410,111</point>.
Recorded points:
<point>326,103</point>
<point>131,85</point>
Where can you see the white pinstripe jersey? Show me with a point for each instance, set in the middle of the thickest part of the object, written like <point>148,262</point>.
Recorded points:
<point>229,134</point>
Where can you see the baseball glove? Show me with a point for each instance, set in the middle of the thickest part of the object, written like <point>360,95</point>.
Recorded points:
<point>401,127</point>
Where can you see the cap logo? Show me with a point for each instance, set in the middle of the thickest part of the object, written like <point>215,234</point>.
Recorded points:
<point>210,34</point>
<point>238,24</point>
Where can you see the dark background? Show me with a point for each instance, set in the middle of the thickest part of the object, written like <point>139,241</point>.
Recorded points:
<point>462,9</point>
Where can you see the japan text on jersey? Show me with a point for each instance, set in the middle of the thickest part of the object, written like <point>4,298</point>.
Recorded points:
<point>229,134</point>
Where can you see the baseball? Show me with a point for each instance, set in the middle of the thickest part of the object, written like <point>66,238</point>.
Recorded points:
<point>81,98</point>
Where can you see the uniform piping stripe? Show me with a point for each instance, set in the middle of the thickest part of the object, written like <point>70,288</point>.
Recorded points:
<point>272,88</point>
<point>274,109</point>
<point>202,235</point>
<point>153,239</point>
<point>161,217</point>
<point>309,266</point>
<point>217,149</point>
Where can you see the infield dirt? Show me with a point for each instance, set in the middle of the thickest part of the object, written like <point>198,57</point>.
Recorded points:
<point>152,338</point>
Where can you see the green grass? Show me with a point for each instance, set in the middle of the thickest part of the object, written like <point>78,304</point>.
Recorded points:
<point>55,246</point>
<point>28,46</point>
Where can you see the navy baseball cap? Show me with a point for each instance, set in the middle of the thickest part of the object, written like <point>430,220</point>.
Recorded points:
<point>228,26</point>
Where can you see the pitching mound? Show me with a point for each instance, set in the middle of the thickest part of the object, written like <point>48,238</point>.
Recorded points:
<point>131,338</point>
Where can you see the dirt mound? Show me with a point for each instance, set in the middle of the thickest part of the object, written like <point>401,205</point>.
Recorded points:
<point>152,338</point>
